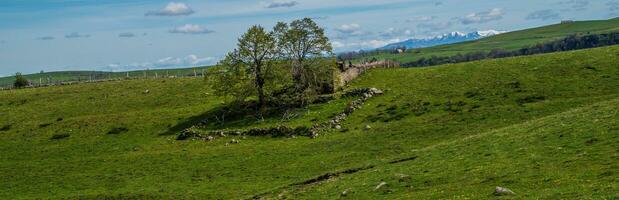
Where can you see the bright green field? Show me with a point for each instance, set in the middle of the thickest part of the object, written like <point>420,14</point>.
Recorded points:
<point>509,41</point>
<point>544,126</point>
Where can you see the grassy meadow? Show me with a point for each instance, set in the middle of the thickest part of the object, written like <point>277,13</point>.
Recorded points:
<point>544,126</point>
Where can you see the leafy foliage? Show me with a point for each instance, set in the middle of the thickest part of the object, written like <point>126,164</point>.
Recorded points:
<point>247,68</point>
<point>302,43</point>
<point>20,81</point>
<point>266,63</point>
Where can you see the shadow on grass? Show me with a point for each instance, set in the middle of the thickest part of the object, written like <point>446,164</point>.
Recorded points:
<point>227,115</point>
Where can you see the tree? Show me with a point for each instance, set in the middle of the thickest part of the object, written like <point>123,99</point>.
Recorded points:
<point>20,81</point>
<point>302,42</point>
<point>246,68</point>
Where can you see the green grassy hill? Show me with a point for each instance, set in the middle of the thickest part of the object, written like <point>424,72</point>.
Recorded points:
<point>509,41</point>
<point>68,76</point>
<point>544,126</point>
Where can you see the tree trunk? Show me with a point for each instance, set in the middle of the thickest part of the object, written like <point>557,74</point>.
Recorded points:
<point>260,86</point>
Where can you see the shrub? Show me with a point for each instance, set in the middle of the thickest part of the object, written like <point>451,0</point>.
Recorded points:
<point>20,81</point>
<point>6,128</point>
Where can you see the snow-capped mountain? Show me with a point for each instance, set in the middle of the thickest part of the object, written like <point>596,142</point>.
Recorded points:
<point>448,38</point>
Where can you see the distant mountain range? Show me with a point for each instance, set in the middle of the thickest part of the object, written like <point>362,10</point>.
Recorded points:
<point>448,38</point>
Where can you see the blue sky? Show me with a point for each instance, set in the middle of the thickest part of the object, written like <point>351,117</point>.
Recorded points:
<point>113,35</point>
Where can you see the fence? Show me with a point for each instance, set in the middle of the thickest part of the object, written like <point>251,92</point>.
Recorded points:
<point>97,77</point>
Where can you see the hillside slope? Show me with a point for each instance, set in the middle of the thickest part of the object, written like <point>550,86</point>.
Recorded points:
<point>570,155</point>
<point>509,41</point>
<point>115,139</point>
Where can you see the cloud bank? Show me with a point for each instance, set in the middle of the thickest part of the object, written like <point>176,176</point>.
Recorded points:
<point>172,9</point>
<point>483,17</point>
<point>543,15</point>
<point>191,29</point>
<point>281,4</point>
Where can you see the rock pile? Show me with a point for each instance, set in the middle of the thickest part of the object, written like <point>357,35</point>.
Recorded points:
<point>364,94</point>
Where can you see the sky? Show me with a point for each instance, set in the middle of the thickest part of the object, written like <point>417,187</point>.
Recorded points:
<point>114,35</point>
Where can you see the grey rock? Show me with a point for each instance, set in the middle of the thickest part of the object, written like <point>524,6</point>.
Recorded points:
<point>380,185</point>
<point>501,191</point>
<point>345,192</point>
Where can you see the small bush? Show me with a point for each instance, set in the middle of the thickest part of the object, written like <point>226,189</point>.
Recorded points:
<point>6,128</point>
<point>60,136</point>
<point>117,130</point>
<point>20,81</point>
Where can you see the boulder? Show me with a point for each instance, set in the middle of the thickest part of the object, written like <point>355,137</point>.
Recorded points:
<point>501,191</point>
<point>380,185</point>
<point>345,192</point>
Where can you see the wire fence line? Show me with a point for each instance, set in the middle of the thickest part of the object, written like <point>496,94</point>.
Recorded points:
<point>47,81</point>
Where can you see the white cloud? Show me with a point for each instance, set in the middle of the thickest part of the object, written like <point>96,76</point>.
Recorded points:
<point>126,35</point>
<point>348,30</point>
<point>613,5</point>
<point>75,35</point>
<point>191,29</point>
<point>369,44</point>
<point>421,19</point>
<point>395,32</point>
<point>46,38</point>
<point>281,4</point>
<point>435,26</point>
<point>166,63</point>
<point>172,9</point>
<point>483,17</point>
<point>576,5</point>
<point>543,15</point>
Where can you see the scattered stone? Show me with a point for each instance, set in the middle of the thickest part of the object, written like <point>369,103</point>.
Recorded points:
<point>313,135</point>
<point>234,141</point>
<point>403,177</point>
<point>367,127</point>
<point>338,127</point>
<point>209,138</point>
<point>221,134</point>
<point>501,191</point>
<point>380,185</point>
<point>345,192</point>
<point>146,91</point>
